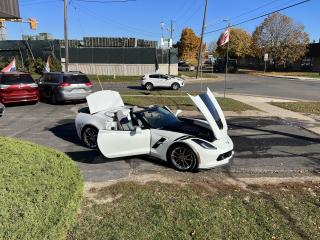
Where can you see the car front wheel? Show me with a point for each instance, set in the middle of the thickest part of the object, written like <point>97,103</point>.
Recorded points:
<point>183,158</point>
<point>149,86</point>
<point>90,136</point>
<point>175,86</point>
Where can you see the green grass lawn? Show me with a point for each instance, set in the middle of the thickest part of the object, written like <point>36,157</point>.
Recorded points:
<point>194,73</point>
<point>168,211</point>
<point>303,107</point>
<point>182,102</point>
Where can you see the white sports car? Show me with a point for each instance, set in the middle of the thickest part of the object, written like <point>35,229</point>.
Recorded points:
<point>188,144</point>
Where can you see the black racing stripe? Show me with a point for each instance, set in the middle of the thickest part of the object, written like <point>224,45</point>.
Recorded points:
<point>185,137</point>
<point>159,142</point>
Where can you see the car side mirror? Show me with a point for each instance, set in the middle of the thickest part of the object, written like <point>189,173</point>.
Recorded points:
<point>138,130</point>
<point>178,112</point>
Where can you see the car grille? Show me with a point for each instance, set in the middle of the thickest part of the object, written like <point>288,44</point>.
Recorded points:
<point>224,156</point>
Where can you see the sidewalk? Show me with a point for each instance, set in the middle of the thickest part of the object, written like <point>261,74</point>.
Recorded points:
<point>288,77</point>
<point>262,103</point>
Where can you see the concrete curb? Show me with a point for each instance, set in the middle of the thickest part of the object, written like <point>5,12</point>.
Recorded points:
<point>289,77</point>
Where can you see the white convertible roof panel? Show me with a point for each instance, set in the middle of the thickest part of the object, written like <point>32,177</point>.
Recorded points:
<point>104,100</point>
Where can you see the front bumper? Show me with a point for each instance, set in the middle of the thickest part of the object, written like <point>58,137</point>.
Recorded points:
<point>211,158</point>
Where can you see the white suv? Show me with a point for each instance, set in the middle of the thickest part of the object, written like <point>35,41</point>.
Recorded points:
<point>158,80</point>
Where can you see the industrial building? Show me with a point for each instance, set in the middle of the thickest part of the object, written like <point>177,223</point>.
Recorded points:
<point>95,58</point>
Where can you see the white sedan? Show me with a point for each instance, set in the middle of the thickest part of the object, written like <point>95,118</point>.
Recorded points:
<point>158,80</point>
<point>188,144</point>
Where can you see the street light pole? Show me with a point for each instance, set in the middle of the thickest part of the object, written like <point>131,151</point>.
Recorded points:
<point>66,42</point>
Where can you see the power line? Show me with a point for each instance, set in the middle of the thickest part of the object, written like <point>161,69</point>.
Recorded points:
<point>264,15</point>
<point>244,13</point>
<point>104,19</point>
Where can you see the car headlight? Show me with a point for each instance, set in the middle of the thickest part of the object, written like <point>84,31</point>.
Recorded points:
<point>203,144</point>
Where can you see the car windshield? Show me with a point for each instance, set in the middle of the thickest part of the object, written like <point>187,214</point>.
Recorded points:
<point>75,79</point>
<point>14,79</point>
<point>158,118</point>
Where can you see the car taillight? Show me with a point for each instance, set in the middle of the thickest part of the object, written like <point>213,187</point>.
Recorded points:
<point>64,85</point>
<point>33,85</point>
<point>89,84</point>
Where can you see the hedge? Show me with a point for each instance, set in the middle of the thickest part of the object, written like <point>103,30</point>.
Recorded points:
<point>40,191</point>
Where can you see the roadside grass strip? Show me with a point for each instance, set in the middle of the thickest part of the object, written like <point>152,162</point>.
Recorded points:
<point>182,102</point>
<point>156,210</point>
<point>297,74</point>
<point>40,191</point>
<point>302,107</point>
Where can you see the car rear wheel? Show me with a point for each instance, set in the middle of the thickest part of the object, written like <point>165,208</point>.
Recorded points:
<point>149,86</point>
<point>183,158</point>
<point>90,136</point>
<point>175,86</point>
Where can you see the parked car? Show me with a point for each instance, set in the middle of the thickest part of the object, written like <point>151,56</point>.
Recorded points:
<point>2,107</point>
<point>219,65</point>
<point>64,86</point>
<point>158,80</point>
<point>18,87</point>
<point>188,144</point>
<point>186,67</point>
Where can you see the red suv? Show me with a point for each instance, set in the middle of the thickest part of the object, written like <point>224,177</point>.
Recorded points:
<point>18,87</point>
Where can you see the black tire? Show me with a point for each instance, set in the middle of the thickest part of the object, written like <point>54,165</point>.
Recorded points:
<point>53,98</point>
<point>149,86</point>
<point>182,158</point>
<point>89,137</point>
<point>175,86</point>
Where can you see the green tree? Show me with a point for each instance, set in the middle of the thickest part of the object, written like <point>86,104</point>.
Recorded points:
<point>188,46</point>
<point>284,40</point>
<point>240,44</point>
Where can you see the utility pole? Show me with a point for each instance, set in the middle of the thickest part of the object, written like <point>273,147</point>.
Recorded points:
<point>170,45</point>
<point>201,40</point>
<point>66,42</point>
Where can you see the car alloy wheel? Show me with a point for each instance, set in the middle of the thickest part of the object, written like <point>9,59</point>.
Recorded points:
<point>183,158</point>
<point>90,136</point>
<point>175,86</point>
<point>149,86</point>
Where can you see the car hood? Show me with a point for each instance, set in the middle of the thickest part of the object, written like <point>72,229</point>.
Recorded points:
<point>211,110</point>
<point>104,100</point>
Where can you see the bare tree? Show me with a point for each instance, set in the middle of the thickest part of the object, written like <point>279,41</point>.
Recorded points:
<point>212,47</point>
<point>284,40</point>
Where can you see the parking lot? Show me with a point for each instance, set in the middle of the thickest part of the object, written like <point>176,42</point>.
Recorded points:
<point>262,145</point>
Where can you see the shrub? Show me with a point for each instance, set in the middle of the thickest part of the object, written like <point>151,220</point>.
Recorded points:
<point>40,191</point>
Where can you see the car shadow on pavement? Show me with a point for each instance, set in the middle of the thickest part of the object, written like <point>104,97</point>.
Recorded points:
<point>66,130</point>
<point>267,138</point>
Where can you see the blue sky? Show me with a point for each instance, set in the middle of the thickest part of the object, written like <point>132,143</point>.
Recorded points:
<point>142,18</point>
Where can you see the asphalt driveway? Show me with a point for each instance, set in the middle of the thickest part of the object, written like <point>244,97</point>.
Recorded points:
<point>262,145</point>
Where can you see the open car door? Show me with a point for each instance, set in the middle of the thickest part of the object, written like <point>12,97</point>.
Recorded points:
<point>211,110</point>
<point>113,144</point>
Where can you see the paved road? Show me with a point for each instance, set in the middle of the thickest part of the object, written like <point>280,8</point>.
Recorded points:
<point>261,145</point>
<point>253,85</point>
